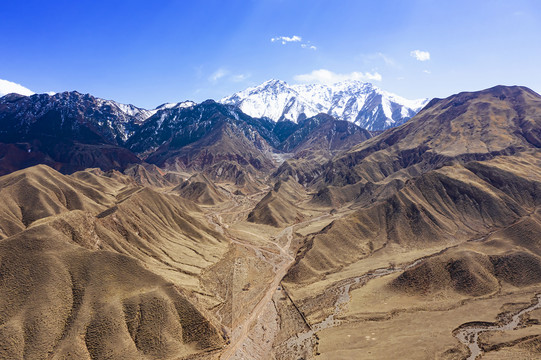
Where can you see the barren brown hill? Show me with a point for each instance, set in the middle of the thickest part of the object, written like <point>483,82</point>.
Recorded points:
<point>463,127</point>
<point>279,206</point>
<point>304,168</point>
<point>149,175</point>
<point>226,143</point>
<point>39,192</point>
<point>103,179</point>
<point>443,206</point>
<point>242,177</point>
<point>61,300</point>
<point>96,266</point>
<point>316,140</point>
<point>200,189</point>
<point>439,211</point>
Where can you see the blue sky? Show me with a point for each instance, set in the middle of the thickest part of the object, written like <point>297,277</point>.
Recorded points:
<point>150,52</point>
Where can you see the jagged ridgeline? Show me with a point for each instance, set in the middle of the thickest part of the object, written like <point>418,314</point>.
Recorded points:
<point>360,103</point>
<point>71,131</point>
<point>263,227</point>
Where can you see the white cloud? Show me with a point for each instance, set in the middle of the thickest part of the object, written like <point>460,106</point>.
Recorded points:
<point>427,71</point>
<point>225,74</point>
<point>308,46</point>
<point>295,38</point>
<point>286,39</point>
<point>7,87</point>
<point>420,55</point>
<point>218,74</point>
<point>324,76</point>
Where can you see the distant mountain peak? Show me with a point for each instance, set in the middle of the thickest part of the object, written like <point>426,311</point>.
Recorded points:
<point>359,102</point>
<point>114,121</point>
<point>274,82</point>
<point>179,105</point>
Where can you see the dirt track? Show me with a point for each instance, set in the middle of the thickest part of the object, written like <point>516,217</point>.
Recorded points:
<point>241,332</point>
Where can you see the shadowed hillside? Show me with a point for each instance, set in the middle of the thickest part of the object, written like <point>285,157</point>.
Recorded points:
<point>68,131</point>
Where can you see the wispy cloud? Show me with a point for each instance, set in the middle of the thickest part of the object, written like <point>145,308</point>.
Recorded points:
<point>427,71</point>
<point>7,87</point>
<point>387,60</point>
<point>294,39</point>
<point>324,76</point>
<point>286,39</point>
<point>378,59</point>
<point>218,74</point>
<point>225,74</point>
<point>420,55</point>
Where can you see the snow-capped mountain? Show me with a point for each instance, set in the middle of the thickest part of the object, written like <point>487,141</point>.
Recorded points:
<point>182,125</point>
<point>68,131</point>
<point>361,103</point>
<point>180,105</point>
<point>114,121</point>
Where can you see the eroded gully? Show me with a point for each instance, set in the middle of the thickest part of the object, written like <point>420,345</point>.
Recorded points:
<point>469,335</point>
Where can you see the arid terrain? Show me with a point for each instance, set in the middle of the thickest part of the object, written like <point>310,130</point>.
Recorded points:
<point>232,240</point>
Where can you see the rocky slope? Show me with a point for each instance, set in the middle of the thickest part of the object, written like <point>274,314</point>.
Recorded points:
<point>323,132</point>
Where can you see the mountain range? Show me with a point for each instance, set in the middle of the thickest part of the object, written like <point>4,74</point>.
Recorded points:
<point>360,103</point>
<point>71,131</point>
<point>200,231</point>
